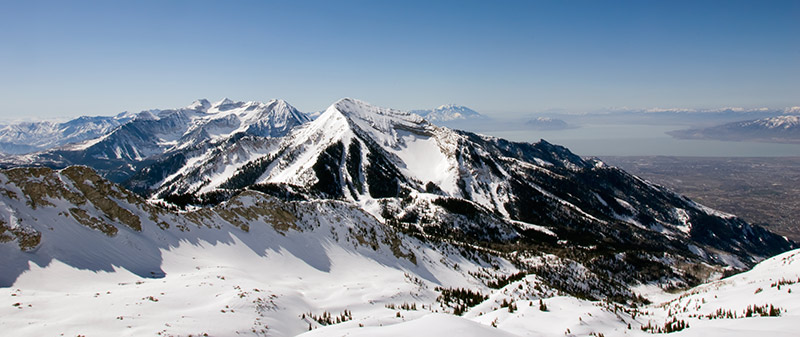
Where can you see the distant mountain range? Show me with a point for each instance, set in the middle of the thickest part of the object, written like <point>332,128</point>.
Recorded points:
<point>448,113</point>
<point>780,129</point>
<point>127,147</point>
<point>29,137</point>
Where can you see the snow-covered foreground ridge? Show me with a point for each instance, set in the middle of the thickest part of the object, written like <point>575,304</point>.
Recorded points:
<point>82,256</point>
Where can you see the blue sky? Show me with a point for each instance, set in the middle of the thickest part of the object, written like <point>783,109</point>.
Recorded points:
<point>64,58</point>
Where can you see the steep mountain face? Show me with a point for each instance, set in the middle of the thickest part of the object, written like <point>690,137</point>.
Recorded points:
<point>134,145</point>
<point>448,113</point>
<point>457,185</point>
<point>24,138</point>
<point>780,129</point>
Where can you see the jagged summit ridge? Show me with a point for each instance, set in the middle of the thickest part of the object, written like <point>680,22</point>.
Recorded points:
<point>361,109</point>
<point>135,144</point>
<point>380,123</point>
<point>201,104</point>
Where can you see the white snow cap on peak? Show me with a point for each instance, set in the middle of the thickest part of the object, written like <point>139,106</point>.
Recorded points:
<point>785,122</point>
<point>448,106</point>
<point>126,114</point>
<point>200,104</point>
<point>354,107</point>
<point>145,115</point>
<point>281,103</point>
<point>792,110</point>
<point>223,102</point>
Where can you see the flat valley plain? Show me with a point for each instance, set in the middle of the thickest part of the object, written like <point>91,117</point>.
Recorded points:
<point>761,190</point>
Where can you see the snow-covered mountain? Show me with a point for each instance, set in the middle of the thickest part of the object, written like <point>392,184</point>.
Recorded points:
<point>472,188</point>
<point>260,266</point>
<point>128,148</point>
<point>779,129</point>
<point>21,138</point>
<point>246,218</point>
<point>448,113</point>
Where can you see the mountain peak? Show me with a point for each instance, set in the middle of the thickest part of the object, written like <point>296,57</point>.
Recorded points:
<point>124,114</point>
<point>277,109</point>
<point>280,102</point>
<point>450,106</point>
<point>201,104</point>
<point>224,103</point>
<point>367,116</point>
<point>354,107</point>
<point>145,115</point>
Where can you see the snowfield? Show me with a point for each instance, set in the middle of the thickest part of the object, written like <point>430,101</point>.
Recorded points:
<point>228,289</point>
<point>261,267</point>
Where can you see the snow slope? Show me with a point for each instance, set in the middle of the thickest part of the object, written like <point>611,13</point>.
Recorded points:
<point>252,266</point>
<point>259,266</point>
<point>720,307</point>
